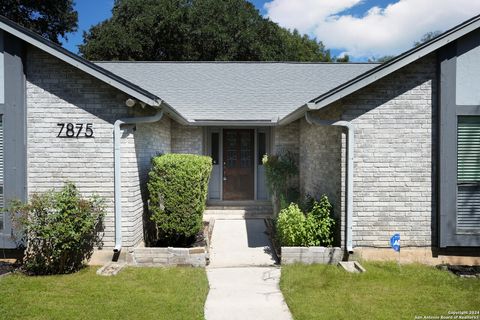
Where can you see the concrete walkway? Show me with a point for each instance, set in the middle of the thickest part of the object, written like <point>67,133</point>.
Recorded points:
<point>243,278</point>
<point>241,242</point>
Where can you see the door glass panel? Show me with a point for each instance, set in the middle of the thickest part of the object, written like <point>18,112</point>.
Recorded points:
<point>245,150</point>
<point>215,147</point>
<point>262,146</point>
<point>231,149</point>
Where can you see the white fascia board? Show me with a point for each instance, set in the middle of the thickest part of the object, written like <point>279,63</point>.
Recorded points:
<point>295,115</point>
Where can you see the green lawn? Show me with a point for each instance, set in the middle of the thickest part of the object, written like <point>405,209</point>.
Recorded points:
<point>385,291</point>
<point>135,293</point>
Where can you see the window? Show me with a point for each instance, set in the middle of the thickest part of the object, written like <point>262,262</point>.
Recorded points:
<point>459,145</point>
<point>468,174</point>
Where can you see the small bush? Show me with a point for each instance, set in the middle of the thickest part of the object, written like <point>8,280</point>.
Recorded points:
<point>321,215</point>
<point>60,230</point>
<point>290,226</point>
<point>178,186</point>
<point>315,228</point>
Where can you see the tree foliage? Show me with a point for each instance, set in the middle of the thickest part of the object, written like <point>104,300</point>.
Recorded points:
<point>381,59</point>
<point>427,37</point>
<point>49,18</point>
<point>195,30</point>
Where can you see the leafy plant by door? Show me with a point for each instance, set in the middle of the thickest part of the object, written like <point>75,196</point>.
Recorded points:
<point>280,170</point>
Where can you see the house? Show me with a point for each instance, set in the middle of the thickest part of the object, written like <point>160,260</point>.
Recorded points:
<point>395,146</point>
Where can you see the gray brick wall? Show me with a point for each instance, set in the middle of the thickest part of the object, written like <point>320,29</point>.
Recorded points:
<point>57,92</point>
<point>187,139</point>
<point>148,141</point>
<point>286,139</point>
<point>320,163</point>
<point>395,169</point>
<point>394,157</point>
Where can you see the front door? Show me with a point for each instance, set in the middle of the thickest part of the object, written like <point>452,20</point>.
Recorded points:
<point>238,164</point>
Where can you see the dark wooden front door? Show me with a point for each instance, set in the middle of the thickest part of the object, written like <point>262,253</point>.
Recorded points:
<point>238,161</point>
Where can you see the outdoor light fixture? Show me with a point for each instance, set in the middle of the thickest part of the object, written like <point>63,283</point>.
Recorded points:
<point>130,102</point>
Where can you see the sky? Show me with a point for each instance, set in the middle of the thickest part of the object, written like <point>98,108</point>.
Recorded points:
<point>363,29</point>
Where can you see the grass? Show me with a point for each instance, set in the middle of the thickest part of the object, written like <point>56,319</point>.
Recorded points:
<point>135,293</point>
<point>385,291</point>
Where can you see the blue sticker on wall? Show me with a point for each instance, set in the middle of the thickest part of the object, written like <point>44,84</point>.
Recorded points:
<point>395,242</point>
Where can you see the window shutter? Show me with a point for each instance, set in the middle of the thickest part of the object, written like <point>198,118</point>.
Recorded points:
<point>468,144</point>
<point>468,174</point>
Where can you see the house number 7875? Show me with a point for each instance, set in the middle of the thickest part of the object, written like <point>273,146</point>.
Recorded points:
<point>77,130</point>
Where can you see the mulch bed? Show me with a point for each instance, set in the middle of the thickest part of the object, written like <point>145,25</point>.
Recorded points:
<point>462,271</point>
<point>199,240</point>
<point>7,265</point>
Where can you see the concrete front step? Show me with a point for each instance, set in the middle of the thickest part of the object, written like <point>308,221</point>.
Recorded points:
<point>245,212</point>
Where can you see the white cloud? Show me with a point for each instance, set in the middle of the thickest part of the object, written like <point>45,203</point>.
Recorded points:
<point>381,31</point>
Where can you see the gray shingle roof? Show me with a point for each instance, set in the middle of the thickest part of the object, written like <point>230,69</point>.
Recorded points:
<point>235,90</point>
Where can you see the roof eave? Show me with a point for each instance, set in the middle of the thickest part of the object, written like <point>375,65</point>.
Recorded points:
<point>78,62</point>
<point>383,70</point>
<point>293,116</point>
<point>175,115</point>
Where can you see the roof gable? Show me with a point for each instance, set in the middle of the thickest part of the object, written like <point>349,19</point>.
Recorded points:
<point>78,62</point>
<point>385,69</point>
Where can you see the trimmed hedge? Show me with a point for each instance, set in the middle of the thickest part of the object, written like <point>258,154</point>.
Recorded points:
<point>178,186</point>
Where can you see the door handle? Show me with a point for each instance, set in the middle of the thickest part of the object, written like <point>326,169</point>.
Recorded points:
<point>224,178</point>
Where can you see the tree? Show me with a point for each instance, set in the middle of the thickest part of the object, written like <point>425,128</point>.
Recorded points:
<point>49,18</point>
<point>381,59</point>
<point>195,30</point>
<point>427,37</point>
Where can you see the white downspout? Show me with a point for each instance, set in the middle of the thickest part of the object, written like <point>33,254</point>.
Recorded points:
<point>118,177</point>
<point>350,158</point>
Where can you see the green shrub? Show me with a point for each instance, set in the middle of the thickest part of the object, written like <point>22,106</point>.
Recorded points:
<point>315,228</point>
<point>321,217</point>
<point>178,186</point>
<point>290,226</point>
<point>60,230</point>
